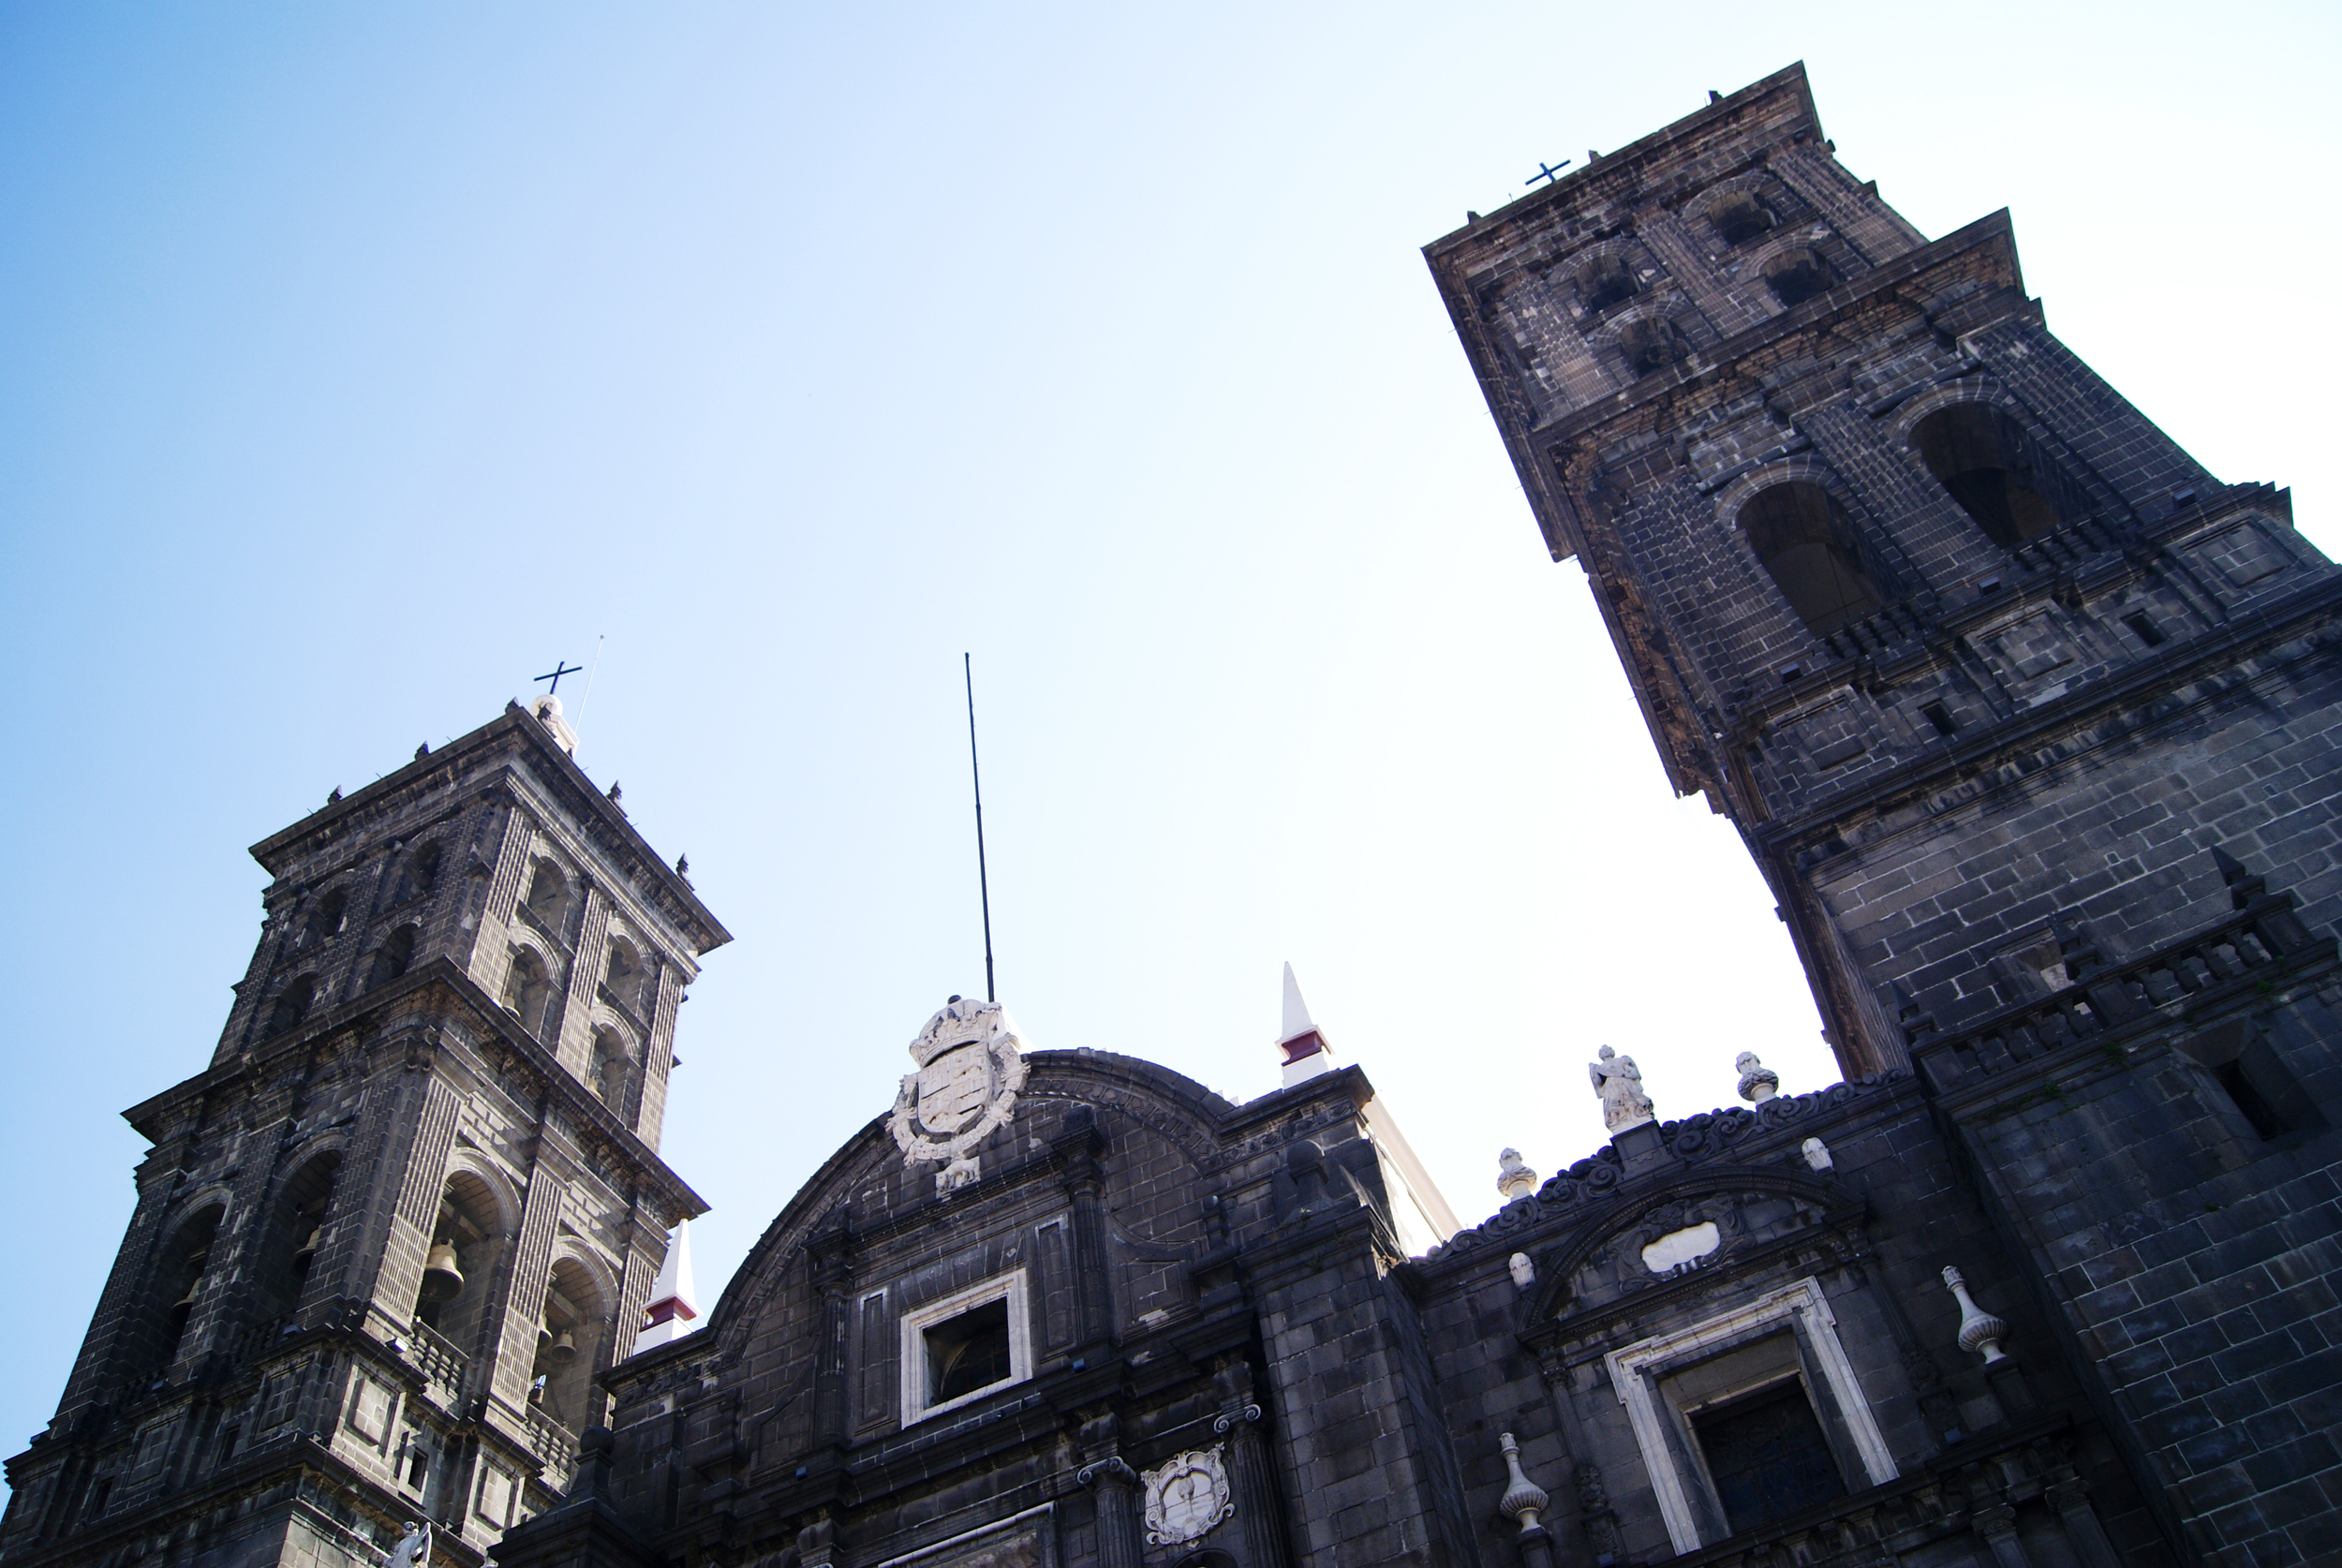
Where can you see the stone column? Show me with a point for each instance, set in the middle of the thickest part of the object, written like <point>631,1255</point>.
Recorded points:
<point>2071,1501</point>
<point>1569,1528</point>
<point>1997,1523</point>
<point>832,1277</point>
<point>1259,1511</point>
<point>1115,1485</point>
<point>1084,1185</point>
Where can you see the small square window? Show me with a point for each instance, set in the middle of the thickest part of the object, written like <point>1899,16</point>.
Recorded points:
<point>965,1346</point>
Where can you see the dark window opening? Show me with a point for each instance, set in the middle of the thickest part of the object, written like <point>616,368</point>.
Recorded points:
<point>1768,1458</point>
<point>1804,537</point>
<point>1608,282</point>
<point>1995,470</point>
<point>1650,345</point>
<point>325,919</point>
<point>418,1464</point>
<point>2256,1080</point>
<point>422,872</point>
<point>528,989</point>
<point>292,1005</point>
<point>98,1496</point>
<point>2249,1099</point>
<point>1798,276</point>
<point>2142,627</point>
<point>1940,717</point>
<point>392,959</point>
<point>549,897</point>
<point>969,1352</point>
<point>1739,218</point>
<point>227,1436</point>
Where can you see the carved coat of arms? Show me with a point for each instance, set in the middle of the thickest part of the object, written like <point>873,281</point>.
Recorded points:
<point>1187,1497</point>
<point>969,1075</point>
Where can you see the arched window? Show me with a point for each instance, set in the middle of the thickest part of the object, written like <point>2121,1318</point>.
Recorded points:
<point>1805,540</point>
<point>466,1242</point>
<point>528,988</point>
<point>612,1071</point>
<point>1796,277</point>
<point>1605,282</point>
<point>1651,344</point>
<point>392,959</point>
<point>623,976</point>
<point>296,1229</point>
<point>179,1284</point>
<point>292,1005</point>
<point>1993,469</point>
<point>1739,217</point>
<point>422,871</point>
<point>569,1347</point>
<point>325,916</point>
<point>549,897</point>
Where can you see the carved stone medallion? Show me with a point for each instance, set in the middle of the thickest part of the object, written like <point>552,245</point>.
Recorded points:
<point>1187,1497</point>
<point>969,1075</point>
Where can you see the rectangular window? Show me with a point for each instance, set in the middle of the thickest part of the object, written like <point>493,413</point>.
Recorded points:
<point>1768,1457</point>
<point>966,1346</point>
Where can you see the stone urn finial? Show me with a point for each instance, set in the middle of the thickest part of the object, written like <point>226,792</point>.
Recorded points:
<point>1523,1499</point>
<point>1758,1083</point>
<point>1514,1178</point>
<point>1979,1329</point>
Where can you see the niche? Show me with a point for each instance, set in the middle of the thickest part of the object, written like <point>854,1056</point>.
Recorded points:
<point>569,1346</point>
<point>292,1005</point>
<point>289,1247</point>
<point>1651,344</point>
<point>465,1243</point>
<point>392,957</point>
<point>1607,281</point>
<point>548,898</point>
<point>1805,540</point>
<point>528,989</point>
<point>1995,470</point>
<point>1739,217</point>
<point>179,1283</point>
<point>1796,277</point>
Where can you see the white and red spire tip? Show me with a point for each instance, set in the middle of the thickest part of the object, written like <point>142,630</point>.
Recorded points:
<point>1301,1047</point>
<point>671,1306</point>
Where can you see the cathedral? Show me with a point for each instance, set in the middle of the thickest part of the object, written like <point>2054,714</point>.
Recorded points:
<point>2034,728</point>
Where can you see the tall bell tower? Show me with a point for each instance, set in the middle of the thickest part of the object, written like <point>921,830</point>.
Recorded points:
<point>387,1238</point>
<point>1978,660</point>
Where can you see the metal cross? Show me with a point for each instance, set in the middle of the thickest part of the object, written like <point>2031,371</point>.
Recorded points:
<point>1548,172</point>
<point>560,670</point>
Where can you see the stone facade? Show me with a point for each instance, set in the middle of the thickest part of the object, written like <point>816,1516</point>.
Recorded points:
<point>263,1381</point>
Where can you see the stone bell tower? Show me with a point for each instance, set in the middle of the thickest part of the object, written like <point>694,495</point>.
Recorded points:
<point>1971,652</point>
<point>387,1238</point>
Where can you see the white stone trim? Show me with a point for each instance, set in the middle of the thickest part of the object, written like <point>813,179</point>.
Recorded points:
<point>1629,1367</point>
<point>915,1322</point>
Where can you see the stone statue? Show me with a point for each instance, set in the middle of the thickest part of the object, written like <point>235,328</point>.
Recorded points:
<point>1514,1178</point>
<point>1758,1083</point>
<point>413,1549</point>
<point>1619,1085</point>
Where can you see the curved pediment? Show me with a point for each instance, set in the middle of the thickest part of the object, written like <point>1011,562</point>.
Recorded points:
<point>1708,1218</point>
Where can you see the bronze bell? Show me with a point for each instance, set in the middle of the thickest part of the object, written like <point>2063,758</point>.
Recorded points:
<point>307,1250</point>
<point>563,1350</point>
<point>185,1304</point>
<point>544,1339</point>
<point>441,1280</point>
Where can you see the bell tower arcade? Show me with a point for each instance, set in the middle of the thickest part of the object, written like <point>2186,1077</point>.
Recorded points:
<point>1980,663</point>
<point>384,1242</point>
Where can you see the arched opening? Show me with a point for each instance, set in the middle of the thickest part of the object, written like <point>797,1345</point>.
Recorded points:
<point>1651,344</point>
<point>466,1242</point>
<point>1804,537</point>
<point>326,915</point>
<point>528,989</point>
<point>622,977</point>
<point>392,959</point>
<point>422,871</point>
<point>1739,217</point>
<point>611,1073</point>
<point>179,1275</point>
<point>1796,277</point>
<point>1607,281</point>
<point>568,1347</point>
<point>549,897</point>
<point>292,1005</point>
<point>1993,469</point>
<point>296,1229</point>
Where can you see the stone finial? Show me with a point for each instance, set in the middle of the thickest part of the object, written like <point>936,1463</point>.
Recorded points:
<point>1514,1178</point>
<point>1816,1155</point>
<point>1523,1499</point>
<point>1619,1082</point>
<point>1979,1331</point>
<point>1758,1083</point>
<point>1524,1271</point>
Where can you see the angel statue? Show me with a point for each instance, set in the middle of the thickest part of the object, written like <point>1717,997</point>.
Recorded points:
<point>413,1549</point>
<point>1616,1080</point>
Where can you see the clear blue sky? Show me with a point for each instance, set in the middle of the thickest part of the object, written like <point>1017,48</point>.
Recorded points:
<point>360,361</point>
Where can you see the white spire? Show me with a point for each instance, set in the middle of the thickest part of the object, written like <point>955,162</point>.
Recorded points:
<point>1303,1048</point>
<point>671,1305</point>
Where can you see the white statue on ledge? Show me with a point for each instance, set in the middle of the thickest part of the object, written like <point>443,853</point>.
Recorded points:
<point>1619,1085</point>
